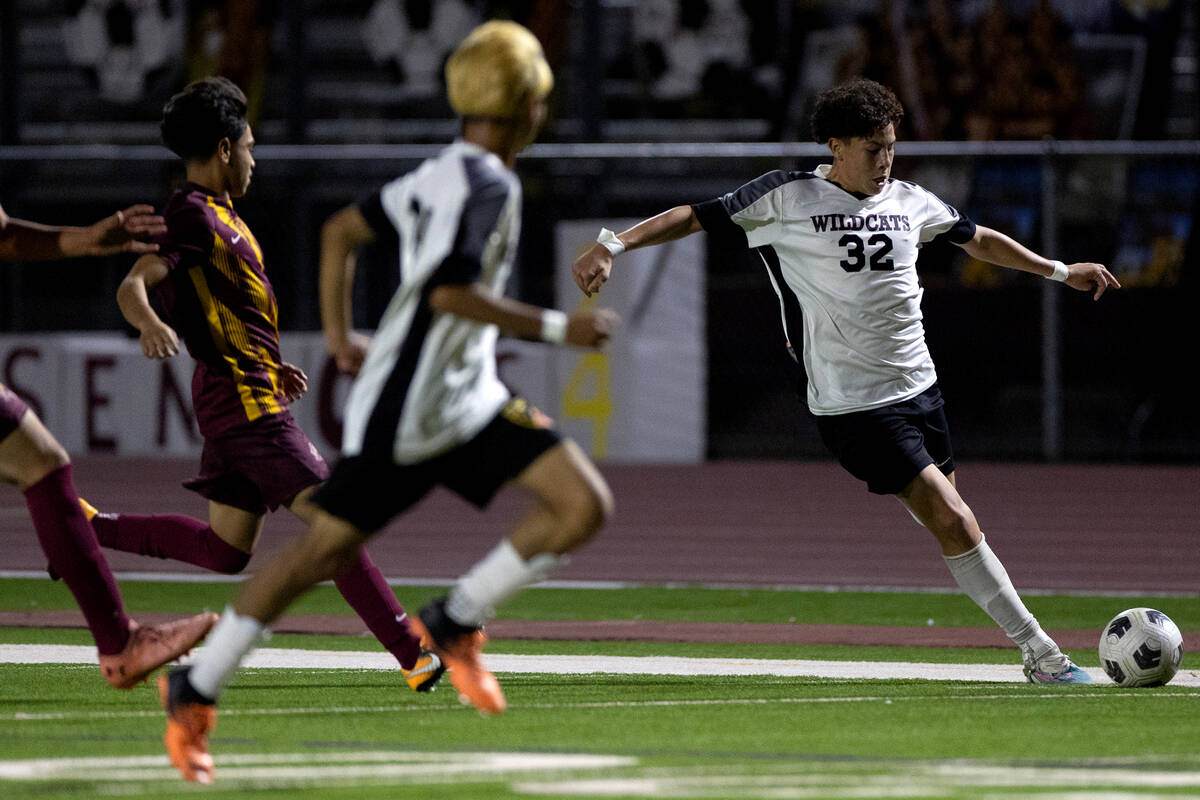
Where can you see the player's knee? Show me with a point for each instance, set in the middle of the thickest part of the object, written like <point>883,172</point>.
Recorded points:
<point>41,463</point>
<point>588,510</point>
<point>954,523</point>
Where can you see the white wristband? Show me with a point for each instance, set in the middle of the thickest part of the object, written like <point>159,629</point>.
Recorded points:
<point>610,241</point>
<point>1061,273</point>
<point>554,326</point>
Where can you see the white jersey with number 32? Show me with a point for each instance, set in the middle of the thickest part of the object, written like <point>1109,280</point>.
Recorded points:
<point>847,262</point>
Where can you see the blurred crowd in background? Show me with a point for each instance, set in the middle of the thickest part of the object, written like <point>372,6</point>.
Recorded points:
<point>369,71</point>
<point>88,72</point>
<point>965,69</point>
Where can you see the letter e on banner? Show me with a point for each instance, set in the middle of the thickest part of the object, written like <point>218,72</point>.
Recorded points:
<point>95,400</point>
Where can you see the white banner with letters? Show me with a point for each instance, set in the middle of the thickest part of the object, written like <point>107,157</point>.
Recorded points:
<point>641,399</point>
<point>97,393</point>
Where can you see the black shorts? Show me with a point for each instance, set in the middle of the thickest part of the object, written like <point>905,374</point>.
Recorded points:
<point>887,447</point>
<point>368,491</point>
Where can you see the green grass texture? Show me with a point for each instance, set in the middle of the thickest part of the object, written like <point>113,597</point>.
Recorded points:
<point>361,734</point>
<point>684,604</point>
<point>675,737</point>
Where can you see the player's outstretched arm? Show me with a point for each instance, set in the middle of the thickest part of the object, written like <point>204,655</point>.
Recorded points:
<point>158,338</point>
<point>122,232</point>
<point>119,233</point>
<point>590,329</point>
<point>341,236</point>
<point>591,270</point>
<point>997,248</point>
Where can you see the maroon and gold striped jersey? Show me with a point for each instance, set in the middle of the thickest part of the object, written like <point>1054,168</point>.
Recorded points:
<point>218,299</point>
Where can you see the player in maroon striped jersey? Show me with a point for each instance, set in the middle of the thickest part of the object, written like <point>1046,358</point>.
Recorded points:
<point>210,279</point>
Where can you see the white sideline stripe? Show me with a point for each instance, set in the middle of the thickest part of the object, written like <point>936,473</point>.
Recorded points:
<point>819,781</point>
<point>335,765</point>
<point>278,658</point>
<point>208,577</point>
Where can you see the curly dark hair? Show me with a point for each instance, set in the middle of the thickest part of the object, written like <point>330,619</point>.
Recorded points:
<point>199,117</point>
<point>857,108</point>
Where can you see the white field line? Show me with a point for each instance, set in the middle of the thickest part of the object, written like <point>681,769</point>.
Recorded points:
<point>308,766</point>
<point>575,774</point>
<point>277,658</point>
<point>909,781</point>
<point>433,707</point>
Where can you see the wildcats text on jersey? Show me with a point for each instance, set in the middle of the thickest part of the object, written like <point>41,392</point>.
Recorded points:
<point>856,222</point>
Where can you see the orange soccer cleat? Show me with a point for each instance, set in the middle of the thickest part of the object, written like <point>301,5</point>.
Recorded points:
<point>89,510</point>
<point>426,673</point>
<point>460,648</point>
<point>190,717</point>
<point>151,646</point>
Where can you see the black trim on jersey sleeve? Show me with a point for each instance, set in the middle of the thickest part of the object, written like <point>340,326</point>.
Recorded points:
<point>746,194</point>
<point>488,194</point>
<point>717,224</point>
<point>715,215</point>
<point>371,208</point>
<point>960,232</point>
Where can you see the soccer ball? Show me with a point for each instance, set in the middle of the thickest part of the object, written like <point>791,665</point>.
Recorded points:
<point>1141,647</point>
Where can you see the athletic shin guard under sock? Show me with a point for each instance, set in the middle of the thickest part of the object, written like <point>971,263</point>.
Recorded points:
<point>230,640</point>
<point>72,551</point>
<point>173,536</point>
<point>366,590</point>
<point>984,579</point>
<point>500,575</point>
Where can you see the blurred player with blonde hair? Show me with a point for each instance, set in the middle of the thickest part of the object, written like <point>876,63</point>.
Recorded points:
<point>427,407</point>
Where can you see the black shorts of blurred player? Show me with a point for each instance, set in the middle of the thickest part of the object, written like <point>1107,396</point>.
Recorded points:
<point>369,490</point>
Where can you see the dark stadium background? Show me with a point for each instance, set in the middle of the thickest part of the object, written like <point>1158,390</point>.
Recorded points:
<point>334,123</point>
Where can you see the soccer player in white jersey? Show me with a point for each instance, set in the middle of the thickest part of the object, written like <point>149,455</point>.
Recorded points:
<point>427,407</point>
<point>840,245</point>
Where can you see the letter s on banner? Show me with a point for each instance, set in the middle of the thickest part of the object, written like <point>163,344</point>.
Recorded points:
<point>31,399</point>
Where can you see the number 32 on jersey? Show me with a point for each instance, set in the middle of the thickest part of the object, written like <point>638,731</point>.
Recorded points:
<point>860,253</point>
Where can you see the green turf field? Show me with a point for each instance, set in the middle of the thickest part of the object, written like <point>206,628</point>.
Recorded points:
<point>359,733</point>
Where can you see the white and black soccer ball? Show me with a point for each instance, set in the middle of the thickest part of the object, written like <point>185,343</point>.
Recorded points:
<point>1141,647</point>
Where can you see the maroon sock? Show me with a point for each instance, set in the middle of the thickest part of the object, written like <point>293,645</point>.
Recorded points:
<point>172,536</point>
<point>72,550</point>
<point>367,592</point>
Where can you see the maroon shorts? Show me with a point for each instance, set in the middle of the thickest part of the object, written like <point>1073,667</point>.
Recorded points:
<point>12,408</point>
<point>260,466</point>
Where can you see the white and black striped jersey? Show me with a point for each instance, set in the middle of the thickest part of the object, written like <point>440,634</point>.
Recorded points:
<point>429,380</point>
<point>843,266</point>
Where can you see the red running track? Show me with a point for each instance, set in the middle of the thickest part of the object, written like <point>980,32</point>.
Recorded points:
<point>1090,527</point>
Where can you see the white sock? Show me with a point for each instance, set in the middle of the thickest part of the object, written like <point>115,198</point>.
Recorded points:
<point>500,575</point>
<point>231,639</point>
<point>984,579</point>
